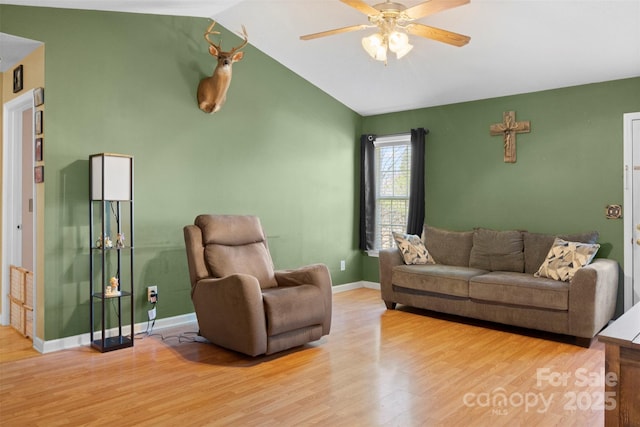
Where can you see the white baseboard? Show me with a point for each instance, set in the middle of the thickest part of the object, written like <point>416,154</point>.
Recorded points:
<point>371,285</point>
<point>85,339</point>
<point>355,285</point>
<point>168,322</point>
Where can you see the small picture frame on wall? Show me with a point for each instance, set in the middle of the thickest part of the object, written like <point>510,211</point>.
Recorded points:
<point>38,149</point>
<point>39,122</point>
<point>38,174</point>
<point>18,78</point>
<point>38,96</point>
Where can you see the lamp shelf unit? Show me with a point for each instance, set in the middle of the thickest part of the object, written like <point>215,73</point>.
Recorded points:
<point>107,296</point>
<point>111,261</point>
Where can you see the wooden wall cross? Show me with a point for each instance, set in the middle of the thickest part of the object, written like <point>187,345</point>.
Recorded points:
<point>509,128</point>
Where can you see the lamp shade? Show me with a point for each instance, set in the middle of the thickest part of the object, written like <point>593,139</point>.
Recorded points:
<point>399,44</point>
<point>111,176</point>
<point>376,46</point>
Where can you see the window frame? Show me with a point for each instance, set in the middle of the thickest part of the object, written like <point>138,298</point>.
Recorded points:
<point>401,139</point>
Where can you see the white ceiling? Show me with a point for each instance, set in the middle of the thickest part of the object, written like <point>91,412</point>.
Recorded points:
<point>517,46</point>
<point>13,49</point>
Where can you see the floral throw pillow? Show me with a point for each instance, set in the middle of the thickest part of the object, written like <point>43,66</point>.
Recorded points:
<point>565,258</point>
<point>412,249</point>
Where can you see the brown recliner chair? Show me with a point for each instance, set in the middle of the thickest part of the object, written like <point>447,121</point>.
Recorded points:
<point>241,303</point>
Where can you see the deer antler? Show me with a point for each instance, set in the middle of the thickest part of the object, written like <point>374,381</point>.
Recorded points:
<point>219,46</point>
<point>208,32</point>
<point>246,40</point>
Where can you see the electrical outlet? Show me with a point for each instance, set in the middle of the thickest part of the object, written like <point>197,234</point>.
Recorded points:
<point>343,265</point>
<point>152,294</point>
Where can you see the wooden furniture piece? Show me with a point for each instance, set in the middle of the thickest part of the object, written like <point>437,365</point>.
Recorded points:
<point>21,300</point>
<point>111,258</point>
<point>622,359</point>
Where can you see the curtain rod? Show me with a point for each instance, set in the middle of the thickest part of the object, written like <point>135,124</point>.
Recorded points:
<point>393,135</point>
<point>391,138</point>
<point>399,134</point>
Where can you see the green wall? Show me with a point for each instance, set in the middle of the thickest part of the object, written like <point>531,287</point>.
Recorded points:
<point>280,148</point>
<point>568,168</point>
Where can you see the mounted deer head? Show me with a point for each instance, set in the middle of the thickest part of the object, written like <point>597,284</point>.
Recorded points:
<point>212,91</point>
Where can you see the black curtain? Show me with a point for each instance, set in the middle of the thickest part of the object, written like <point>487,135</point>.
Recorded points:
<point>415,221</point>
<point>367,193</point>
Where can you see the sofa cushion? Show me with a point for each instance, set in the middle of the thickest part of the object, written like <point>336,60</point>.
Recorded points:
<point>448,247</point>
<point>497,250</point>
<point>520,289</point>
<point>536,246</point>
<point>412,249</point>
<point>565,258</point>
<point>436,278</point>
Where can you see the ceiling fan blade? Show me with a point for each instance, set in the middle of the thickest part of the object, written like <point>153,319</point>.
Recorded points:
<point>432,6</point>
<point>332,32</point>
<point>438,34</point>
<point>361,6</point>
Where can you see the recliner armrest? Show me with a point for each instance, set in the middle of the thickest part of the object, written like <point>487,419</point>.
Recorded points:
<point>231,313</point>
<point>316,275</point>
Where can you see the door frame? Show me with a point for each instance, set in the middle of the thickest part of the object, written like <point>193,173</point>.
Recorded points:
<point>627,211</point>
<point>11,173</point>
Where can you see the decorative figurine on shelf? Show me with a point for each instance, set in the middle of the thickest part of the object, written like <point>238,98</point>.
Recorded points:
<point>120,241</point>
<point>112,289</point>
<point>107,242</point>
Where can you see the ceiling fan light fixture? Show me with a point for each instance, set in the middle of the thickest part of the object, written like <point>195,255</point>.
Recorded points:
<point>376,46</point>
<point>394,21</point>
<point>404,51</point>
<point>399,44</point>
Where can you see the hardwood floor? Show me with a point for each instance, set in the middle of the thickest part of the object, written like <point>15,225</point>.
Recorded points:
<point>14,346</point>
<point>376,368</point>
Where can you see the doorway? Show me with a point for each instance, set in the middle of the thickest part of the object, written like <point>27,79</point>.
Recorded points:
<point>18,190</point>
<point>631,212</point>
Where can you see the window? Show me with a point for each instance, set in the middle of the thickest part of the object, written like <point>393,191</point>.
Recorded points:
<point>392,188</point>
<point>393,181</point>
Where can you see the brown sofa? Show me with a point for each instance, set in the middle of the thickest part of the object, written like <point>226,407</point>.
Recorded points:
<point>489,275</point>
<point>241,303</point>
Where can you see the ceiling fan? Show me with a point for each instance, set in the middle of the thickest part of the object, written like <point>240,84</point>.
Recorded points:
<point>395,20</point>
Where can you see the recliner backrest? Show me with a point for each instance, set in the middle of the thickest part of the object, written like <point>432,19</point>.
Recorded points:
<point>236,244</point>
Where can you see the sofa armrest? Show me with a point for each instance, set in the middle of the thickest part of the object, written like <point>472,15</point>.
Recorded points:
<point>230,313</point>
<point>388,258</point>
<point>316,275</point>
<point>592,297</point>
